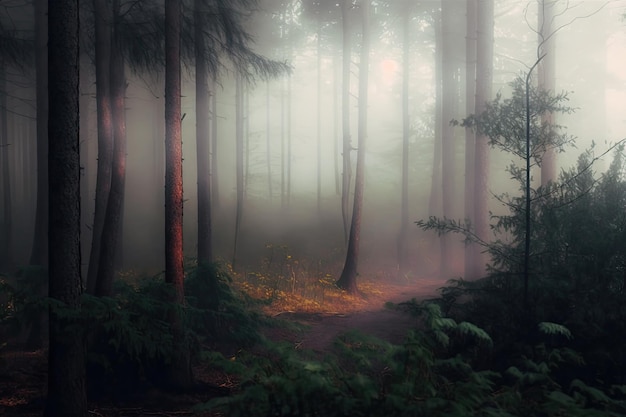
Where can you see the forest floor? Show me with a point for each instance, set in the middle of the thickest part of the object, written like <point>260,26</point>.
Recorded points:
<point>23,374</point>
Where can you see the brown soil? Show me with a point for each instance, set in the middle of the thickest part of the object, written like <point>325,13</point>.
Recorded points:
<point>23,374</point>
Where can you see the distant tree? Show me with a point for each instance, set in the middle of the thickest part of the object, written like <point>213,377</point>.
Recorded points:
<point>66,357</point>
<point>347,280</point>
<point>6,238</point>
<point>39,252</point>
<point>470,134</point>
<point>484,79</point>
<point>103,23</point>
<point>239,174</point>
<point>546,76</point>
<point>346,180</point>
<point>113,217</point>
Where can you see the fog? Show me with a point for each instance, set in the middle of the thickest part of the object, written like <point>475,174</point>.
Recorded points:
<point>285,125</point>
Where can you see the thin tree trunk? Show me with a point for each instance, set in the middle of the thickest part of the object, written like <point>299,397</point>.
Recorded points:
<point>205,254</point>
<point>268,141</point>
<point>406,124</point>
<point>66,357</point>
<point>449,104</point>
<point>180,375</point>
<point>336,119</point>
<point>215,195</point>
<point>434,202</point>
<point>319,113</point>
<point>111,232</point>
<point>239,161</point>
<point>547,81</point>
<point>484,76</point>
<point>470,136</point>
<point>39,253</point>
<point>347,280</point>
<point>103,22</point>
<point>345,112</point>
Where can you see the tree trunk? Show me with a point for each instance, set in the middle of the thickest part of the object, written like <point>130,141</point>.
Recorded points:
<point>318,175</point>
<point>238,160</point>
<point>484,77</point>
<point>434,202</point>
<point>547,79</point>
<point>347,280</point>
<point>103,22</point>
<point>470,135</point>
<point>66,357</point>
<point>205,254</point>
<point>345,112</point>
<point>180,375</point>
<point>215,195</point>
<point>6,245</point>
<point>39,253</point>
<point>449,107</point>
<point>406,124</point>
<point>268,140</point>
<point>111,232</point>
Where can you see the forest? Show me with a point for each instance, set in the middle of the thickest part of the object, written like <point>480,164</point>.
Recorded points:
<point>312,208</point>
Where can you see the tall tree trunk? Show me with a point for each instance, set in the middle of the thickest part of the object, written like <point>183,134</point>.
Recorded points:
<point>336,118</point>
<point>406,125</point>
<point>6,245</point>
<point>180,369</point>
<point>345,112</point>
<point>66,356</point>
<point>205,254</point>
<point>449,107</point>
<point>215,195</point>
<point>347,280</point>
<point>547,79</point>
<point>319,113</point>
<point>238,161</point>
<point>103,27</point>
<point>268,140</point>
<point>39,252</point>
<point>470,135</point>
<point>434,202</point>
<point>85,151</point>
<point>484,77</point>
<point>111,232</point>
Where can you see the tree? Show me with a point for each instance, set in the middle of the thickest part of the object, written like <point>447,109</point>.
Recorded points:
<point>546,76</point>
<point>39,252</point>
<point>406,133</point>
<point>484,77</point>
<point>347,280</point>
<point>180,368</point>
<point>66,357</point>
<point>103,23</point>
<point>470,135</point>
<point>111,231</point>
<point>202,137</point>
<point>345,116</point>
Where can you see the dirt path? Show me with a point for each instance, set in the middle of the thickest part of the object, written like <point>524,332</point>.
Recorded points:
<point>374,319</point>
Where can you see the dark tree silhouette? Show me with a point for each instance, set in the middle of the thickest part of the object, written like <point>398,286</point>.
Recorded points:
<point>66,357</point>
<point>347,280</point>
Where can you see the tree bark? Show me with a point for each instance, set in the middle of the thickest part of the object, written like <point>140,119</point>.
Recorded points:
<point>66,358</point>
<point>6,244</point>
<point>347,280</point>
<point>180,369</point>
<point>238,161</point>
<point>102,15</point>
